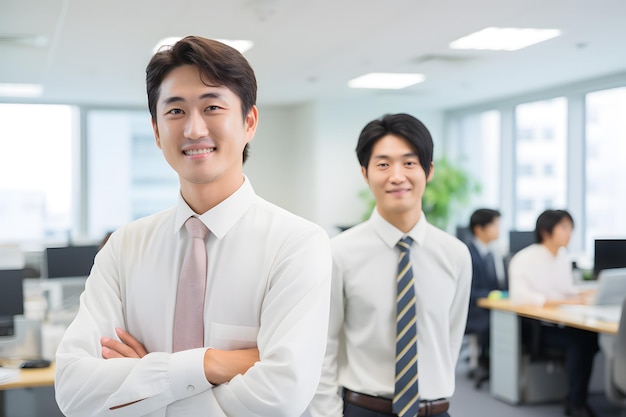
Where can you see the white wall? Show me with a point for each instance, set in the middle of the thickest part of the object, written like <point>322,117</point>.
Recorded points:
<point>280,164</point>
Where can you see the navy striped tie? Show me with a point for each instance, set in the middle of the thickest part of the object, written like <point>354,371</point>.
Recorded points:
<point>406,395</point>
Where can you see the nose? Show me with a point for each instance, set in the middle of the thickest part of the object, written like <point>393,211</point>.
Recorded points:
<point>196,127</point>
<point>397,174</point>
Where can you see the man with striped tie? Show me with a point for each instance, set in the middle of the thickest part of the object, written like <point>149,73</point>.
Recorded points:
<point>400,289</point>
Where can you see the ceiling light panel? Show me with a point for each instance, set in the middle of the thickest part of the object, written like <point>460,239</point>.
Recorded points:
<point>387,81</point>
<point>21,90</point>
<point>504,39</point>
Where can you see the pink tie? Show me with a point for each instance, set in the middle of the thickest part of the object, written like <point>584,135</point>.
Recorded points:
<point>189,315</point>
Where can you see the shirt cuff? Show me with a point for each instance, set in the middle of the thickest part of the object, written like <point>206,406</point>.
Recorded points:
<point>187,373</point>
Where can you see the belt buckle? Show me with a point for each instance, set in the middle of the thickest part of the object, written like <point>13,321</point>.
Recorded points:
<point>428,407</point>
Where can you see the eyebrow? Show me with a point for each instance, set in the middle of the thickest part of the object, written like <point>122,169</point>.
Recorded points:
<point>406,155</point>
<point>177,99</point>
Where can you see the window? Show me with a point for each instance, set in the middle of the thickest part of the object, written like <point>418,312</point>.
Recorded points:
<point>479,139</point>
<point>128,176</point>
<point>525,170</point>
<point>525,134</point>
<point>534,185</point>
<point>38,156</point>
<point>604,168</point>
<point>548,170</point>
<point>548,133</point>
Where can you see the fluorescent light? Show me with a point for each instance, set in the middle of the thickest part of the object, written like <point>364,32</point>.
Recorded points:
<point>504,39</point>
<point>240,44</point>
<point>390,81</point>
<point>21,90</point>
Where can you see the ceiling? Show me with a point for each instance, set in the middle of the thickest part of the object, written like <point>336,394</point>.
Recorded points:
<point>94,52</point>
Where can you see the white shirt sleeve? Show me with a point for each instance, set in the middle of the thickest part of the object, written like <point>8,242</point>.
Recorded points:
<point>327,401</point>
<point>87,384</point>
<point>460,305</point>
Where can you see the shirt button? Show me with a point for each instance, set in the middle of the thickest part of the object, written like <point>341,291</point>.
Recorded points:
<point>190,388</point>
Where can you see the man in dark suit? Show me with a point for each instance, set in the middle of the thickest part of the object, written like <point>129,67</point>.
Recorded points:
<point>486,277</point>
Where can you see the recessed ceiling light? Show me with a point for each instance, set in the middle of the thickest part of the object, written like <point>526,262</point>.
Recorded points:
<point>20,90</point>
<point>239,44</point>
<point>381,80</point>
<point>504,39</point>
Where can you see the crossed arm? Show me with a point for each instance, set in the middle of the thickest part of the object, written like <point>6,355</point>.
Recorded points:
<point>220,366</point>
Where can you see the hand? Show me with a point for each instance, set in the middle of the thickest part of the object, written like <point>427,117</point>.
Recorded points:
<point>129,347</point>
<point>221,366</point>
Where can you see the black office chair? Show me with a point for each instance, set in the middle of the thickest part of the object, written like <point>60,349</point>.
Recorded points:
<point>532,346</point>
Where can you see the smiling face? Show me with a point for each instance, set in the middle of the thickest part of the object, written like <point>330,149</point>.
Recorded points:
<point>397,180</point>
<point>202,133</point>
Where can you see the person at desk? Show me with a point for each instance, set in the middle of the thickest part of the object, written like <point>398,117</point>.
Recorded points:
<point>541,274</point>
<point>398,282</point>
<point>218,306</point>
<point>486,277</point>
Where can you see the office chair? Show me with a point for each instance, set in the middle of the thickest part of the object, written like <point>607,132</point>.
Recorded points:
<point>616,366</point>
<point>470,341</point>
<point>533,348</point>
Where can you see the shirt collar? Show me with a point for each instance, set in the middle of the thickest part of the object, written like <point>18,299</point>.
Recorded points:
<point>391,235</point>
<point>222,217</point>
<point>480,247</point>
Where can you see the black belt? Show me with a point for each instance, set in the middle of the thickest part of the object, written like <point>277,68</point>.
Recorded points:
<point>383,405</point>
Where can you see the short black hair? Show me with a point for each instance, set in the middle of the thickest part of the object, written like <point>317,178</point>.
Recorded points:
<point>402,125</point>
<point>547,221</point>
<point>482,217</point>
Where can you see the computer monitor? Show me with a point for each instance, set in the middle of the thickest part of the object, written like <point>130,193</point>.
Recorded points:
<point>519,239</point>
<point>69,261</point>
<point>608,253</point>
<point>463,233</point>
<point>11,299</point>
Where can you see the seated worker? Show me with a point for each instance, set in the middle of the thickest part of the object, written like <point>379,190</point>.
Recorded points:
<point>486,277</point>
<point>541,274</point>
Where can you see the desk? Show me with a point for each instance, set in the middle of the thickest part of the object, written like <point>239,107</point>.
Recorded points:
<point>506,343</point>
<point>551,314</point>
<point>31,395</point>
<point>30,378</point>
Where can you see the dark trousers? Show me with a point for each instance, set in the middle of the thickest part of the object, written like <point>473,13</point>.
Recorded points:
<point>351,410</point>
<point>580,347</point>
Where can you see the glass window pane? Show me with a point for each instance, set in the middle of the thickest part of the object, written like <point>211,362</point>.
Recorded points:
<point>37,166</point>
<point>479,139</point>
<point>128,176</point>
<point>541,159</point>
<point>605,170</point>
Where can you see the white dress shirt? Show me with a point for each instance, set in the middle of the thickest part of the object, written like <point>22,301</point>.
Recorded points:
<point>536,275</point>
<point>268,286</point>
<point>361,347</point>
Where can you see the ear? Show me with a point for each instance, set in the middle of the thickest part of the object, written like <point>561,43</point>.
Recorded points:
<point>155,129</point>
<point>251,121</point>
<point>364,173</point>
<point>431,172</point>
